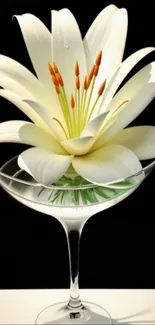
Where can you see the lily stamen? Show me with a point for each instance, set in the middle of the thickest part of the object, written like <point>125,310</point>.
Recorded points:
<point>63,129</point>
<point>72,102</point>
<point>55,81</point>
<point>115,110</point>
<point>90,76</point>
<point>85,84</point>
<point>59,87</point>
<point>100,92</point>
<point>77,71</point>
<point>60,80</point>
<point>82,99</point>
<point>57,90</point>
<point>51,69</point>
<point>96,70</point>
<point>102,87</point>
<point>77,83</point>
<point>110,117</point>
<point>56,70</point>
<point>99,58</point>
<point>124,102</point>
<point>84,93</point>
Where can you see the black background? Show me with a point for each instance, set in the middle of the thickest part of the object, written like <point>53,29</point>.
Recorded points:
<point>117,245</point>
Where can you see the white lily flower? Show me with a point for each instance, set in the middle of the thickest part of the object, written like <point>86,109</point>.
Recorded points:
<point>77,118</point>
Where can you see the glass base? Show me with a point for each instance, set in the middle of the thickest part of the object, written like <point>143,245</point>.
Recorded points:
<point>61,313</point>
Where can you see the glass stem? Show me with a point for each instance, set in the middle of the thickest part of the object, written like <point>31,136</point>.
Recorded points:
<point>73,233</point>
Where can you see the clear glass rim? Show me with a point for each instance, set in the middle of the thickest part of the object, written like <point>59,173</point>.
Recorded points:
<point>78,187</point>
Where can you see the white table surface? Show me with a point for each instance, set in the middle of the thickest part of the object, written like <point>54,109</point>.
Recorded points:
<point>22,306</point>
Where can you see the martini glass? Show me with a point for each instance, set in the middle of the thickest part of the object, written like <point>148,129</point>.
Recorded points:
<point>72,200</point>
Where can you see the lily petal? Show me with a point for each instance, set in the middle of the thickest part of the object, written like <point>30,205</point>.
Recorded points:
<point>139,90</point>
<point>14,86</point>
<point>67,47</point>
<point>38,40</point>
<point>78,146</point>
<point>134,85</point>
<point>107,165</point>
<point>96,36</point>
<point>14,70</point>
<point>25,108</point>
<point>140,139</point>
<point>113,50</point>
<point>30,134</point>
<point>93,127</point>
<point>115,44</point>
<point>45,167</point>
<point>124,69</point>
<point>47,118</point>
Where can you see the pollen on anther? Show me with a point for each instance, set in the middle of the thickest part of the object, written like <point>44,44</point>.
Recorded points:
<point>72,102</point>
<point>59,79</point>
<point>96,69</point>
<point>85,84</point>
<point>102,87</point>
<point>77,83</point>
<point>56,70</point>
<point>55,81</point>
<point>77,72</point>
<point>99,58</point>
<point>90,76</point>
<point>51,69</point>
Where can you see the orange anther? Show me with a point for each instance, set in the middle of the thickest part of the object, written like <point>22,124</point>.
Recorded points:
<point>77,72</point>
<point>102,87</point>
<point>99,58</point>
<point>51,69</point>
<point>85,84</point>
<point>59,79</point>
<point>90,76</point>
<point>55,81</point>
<point>77,83</point>
<point>56,70</point>
<point>96,69</point>
<point>72,101</point>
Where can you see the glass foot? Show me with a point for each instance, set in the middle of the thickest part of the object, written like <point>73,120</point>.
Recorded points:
<point>61,313</point>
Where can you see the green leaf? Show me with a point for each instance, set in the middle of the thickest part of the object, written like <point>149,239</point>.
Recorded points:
<point>41,191</point>
<point>56,195</point>
<point>83,196</point>
<point>64,180</point>
<point>87,196</point>
<point>80,181</point>
<point>124,184</point>
<point>62,195</point>
<point>105,192</point>
<point>90,195</point>
<point>76,196</point>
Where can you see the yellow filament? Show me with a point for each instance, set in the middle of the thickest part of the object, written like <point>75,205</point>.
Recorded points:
<point>55,119</point>
<point>91,112</point>
<point>90,95</point>
<point>79,111</point>
<point>66,111</point>
<point>117,108</point>
<point>87,102</point>
<point>82,96</point>
<point>110,118</point>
